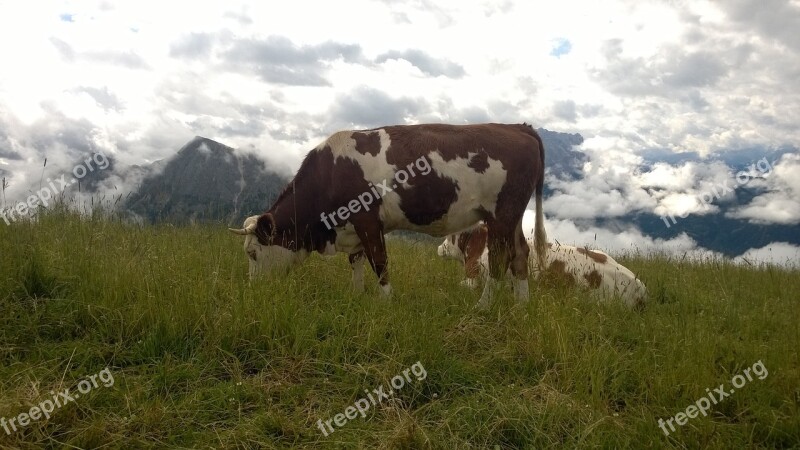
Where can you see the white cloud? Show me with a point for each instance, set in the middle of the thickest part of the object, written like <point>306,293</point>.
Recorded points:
<point>773,207</point>
<point>140,78</point>
<point>628,240</point>
<point>778,253</point>
<point>781,204</point>
<point>632,241</point>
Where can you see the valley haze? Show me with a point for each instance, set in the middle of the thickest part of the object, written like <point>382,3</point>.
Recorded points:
<point>209,181</point>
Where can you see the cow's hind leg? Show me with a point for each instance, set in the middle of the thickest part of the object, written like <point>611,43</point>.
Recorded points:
<point>500,253</point>
<point>519,264</point>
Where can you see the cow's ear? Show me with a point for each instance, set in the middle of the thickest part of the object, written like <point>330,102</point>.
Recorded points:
<point>265,229</point>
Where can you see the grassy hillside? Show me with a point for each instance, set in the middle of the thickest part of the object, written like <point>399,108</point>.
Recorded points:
<point>201,358</point>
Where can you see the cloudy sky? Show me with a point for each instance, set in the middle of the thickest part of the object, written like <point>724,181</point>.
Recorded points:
<point>662,91</point>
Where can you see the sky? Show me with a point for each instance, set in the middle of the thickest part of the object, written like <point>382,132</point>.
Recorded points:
<point>667,94</point>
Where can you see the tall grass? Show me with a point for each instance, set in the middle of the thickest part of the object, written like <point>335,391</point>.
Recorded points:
<point>204,358</point>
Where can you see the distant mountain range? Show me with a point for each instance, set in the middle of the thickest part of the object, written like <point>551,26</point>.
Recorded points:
<point>209,181</point>
<point>206,181</point>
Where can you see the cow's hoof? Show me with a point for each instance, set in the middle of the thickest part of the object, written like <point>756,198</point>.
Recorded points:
<point>386,291</point>
<point>470,283</point>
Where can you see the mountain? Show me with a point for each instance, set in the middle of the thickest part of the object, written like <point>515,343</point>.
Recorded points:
<point>561,158</point>
<point>206,181</point>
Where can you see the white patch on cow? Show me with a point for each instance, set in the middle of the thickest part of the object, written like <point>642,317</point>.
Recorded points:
<point>471,283</point>
<point>267,258</point>
<point>620,282</point>
<point>450,250</point>
<point>271,258</point>
<point>386,290</point>
<point>375,167</point>
<point>476,192</point>
<point>347,241</point>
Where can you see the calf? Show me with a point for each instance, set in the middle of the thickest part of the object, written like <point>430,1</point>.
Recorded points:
<point>591,269</point>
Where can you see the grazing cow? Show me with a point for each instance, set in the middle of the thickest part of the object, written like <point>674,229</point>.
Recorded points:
<point>566,264</point>
<point>435,179</point>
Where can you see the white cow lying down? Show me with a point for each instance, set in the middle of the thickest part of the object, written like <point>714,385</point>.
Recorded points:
<point>591,269</point>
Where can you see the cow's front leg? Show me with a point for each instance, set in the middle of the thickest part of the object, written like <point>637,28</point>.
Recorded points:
<point>357,263</point>
<point>371,236</point>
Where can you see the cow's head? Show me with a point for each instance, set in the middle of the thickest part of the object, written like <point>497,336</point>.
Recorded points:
<point>265,254</point>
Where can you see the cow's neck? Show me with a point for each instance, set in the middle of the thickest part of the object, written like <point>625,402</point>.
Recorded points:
<point>297,213</point>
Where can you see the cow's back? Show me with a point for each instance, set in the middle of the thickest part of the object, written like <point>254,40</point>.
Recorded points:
<point>440,178</point>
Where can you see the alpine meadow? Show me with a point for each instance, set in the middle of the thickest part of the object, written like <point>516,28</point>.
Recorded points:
<point>201,357</point>
<point>400,224</point>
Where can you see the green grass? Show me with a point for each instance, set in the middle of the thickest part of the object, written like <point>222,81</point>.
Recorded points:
<point>202,358</point>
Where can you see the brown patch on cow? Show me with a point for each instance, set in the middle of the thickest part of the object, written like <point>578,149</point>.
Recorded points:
<point>425,209</point>
<point>367,143</point>
<point>594,279</point>
<point>472,239</point>
<point>472,243</point>
<point>302,227</point>
<point>596,257</point>
<point>479,162</point>
<point>557,273</point>
<point>265,229</point>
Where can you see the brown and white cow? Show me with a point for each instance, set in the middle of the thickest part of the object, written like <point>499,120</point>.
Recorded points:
<point>435,179</point>
<point>591,269</point>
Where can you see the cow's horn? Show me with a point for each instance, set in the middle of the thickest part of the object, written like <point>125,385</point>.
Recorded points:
<point>250,229</point>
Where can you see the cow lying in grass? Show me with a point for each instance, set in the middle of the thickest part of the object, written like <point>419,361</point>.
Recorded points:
<point>565,264</point>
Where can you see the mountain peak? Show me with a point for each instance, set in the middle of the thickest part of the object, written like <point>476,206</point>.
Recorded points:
<point>206,180</point>
<point>200,144</point>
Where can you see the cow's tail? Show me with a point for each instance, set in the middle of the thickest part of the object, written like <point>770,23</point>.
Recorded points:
<point>539,235</point>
